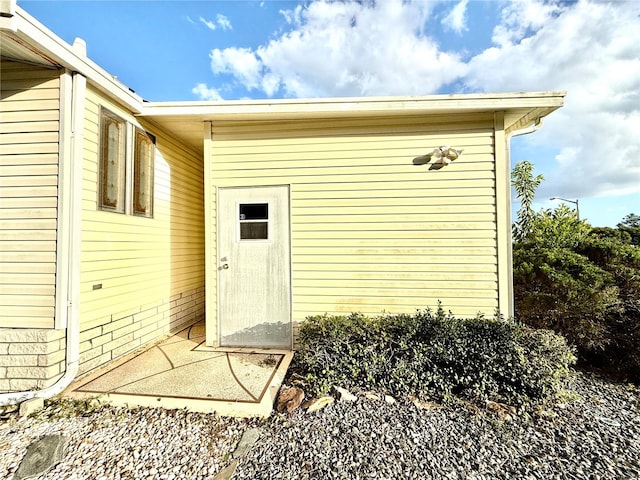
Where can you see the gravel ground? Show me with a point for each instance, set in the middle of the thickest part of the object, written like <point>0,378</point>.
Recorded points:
<point>595,435</point>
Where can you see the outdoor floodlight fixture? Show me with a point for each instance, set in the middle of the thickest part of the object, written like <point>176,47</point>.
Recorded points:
<point>575,202</point>
<point>438,157</point>
<point>444,155</point>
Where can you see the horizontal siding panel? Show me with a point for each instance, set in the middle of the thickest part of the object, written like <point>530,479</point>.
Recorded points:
<point>33,257</point>
<point>9,105</point>
<point>409,286</point>
<point>29,116</point>
<point>450,250</point>
<point>28,137</point>
<point>421,138</point>
<point>382,210</point>
<point>30,148</point>
<point>25,267</point>
<point>9,311</point>
<point>364,186</point>
<point>18,299</point>
<point>390,257</point>
<point>405,173</point>
<point>30,202</point>
<point>373,155</point>
<point>28,127</point>
<point>13,83</point>
<point>28,224</point>
<point>370,304</point>
<point>27,246</point>
<point>37,280</point>
<point>306,276</point>
<point>28,181</point>
<point>26,213</point>
<point>29,192</point>
<point>422,196</point>
<point>18,236</point>
<point>28,170</point>
<point>19,94</point>
<point>421,219</point>
<point>401,290</point>
<point>379,243</point>
<point>23,74</point>
<point>235,132</point>
<point>139,254</point>
<point>15,321</point>
<point>29,159</point>
<point>367,232</point>
<point>135,277</point>
<point>41,295</point>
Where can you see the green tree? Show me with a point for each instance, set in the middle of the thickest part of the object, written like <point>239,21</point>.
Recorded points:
<point>525,185</point>
<point>557,228</point>
<point>630,224</point>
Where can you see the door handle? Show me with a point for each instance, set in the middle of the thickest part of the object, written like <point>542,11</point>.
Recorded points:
<point>225,266</point>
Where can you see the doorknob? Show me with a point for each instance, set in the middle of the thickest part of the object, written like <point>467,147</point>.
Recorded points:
<point>225,266</point>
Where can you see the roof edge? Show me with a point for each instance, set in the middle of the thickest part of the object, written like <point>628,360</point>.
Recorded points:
<point>36,35</point>
<point>523,106</point>
<point>471,100</point>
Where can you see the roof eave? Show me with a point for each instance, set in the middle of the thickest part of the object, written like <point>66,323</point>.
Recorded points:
<point>37,38</point>
<point>544,102</point>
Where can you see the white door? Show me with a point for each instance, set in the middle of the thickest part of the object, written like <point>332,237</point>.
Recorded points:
<point>254,267</point>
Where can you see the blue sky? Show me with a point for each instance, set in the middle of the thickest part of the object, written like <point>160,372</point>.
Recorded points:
<point>589,150</point>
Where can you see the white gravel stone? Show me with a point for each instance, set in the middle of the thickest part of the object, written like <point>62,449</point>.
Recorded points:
<point>366,439</point>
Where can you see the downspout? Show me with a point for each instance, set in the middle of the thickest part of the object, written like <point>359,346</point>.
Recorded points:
<point>72,222</point>
<point>515,133</point>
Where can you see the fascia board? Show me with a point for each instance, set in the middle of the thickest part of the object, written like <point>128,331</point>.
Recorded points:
<point>345,107</point>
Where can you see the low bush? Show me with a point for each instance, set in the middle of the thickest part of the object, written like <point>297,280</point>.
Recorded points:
<point>432,354</point>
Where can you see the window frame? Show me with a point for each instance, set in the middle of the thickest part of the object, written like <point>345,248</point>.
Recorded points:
<point>103,156</point>
<point>130,166</point>
<point>141,136</point>
<point>240,221</point>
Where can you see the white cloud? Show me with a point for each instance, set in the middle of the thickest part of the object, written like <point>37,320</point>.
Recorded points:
<point>586,49</point>
<point>242,63</point>
<point>203,92</point>
<point>456,20</point>
<point>223,22</point>
<point>346,49</point>
<point>520,17</point>
<point>208,23</point>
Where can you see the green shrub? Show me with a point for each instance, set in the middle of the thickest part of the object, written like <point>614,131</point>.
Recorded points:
<point>621,261</point>
<point>432,354</point>
<point>589,293</point>
<point>559,289</point>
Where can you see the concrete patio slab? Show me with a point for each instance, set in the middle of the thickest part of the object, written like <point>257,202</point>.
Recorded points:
<point>182,372</point>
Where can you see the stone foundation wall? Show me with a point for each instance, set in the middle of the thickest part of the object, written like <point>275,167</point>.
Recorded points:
<point>30,359</point>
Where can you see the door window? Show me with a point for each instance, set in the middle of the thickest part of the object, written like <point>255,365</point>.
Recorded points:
<point>253,221</point>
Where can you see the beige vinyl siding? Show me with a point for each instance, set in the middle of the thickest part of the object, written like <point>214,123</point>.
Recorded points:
<point>29,145</point>
<point>144,265</point>
<point>371,231</point>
